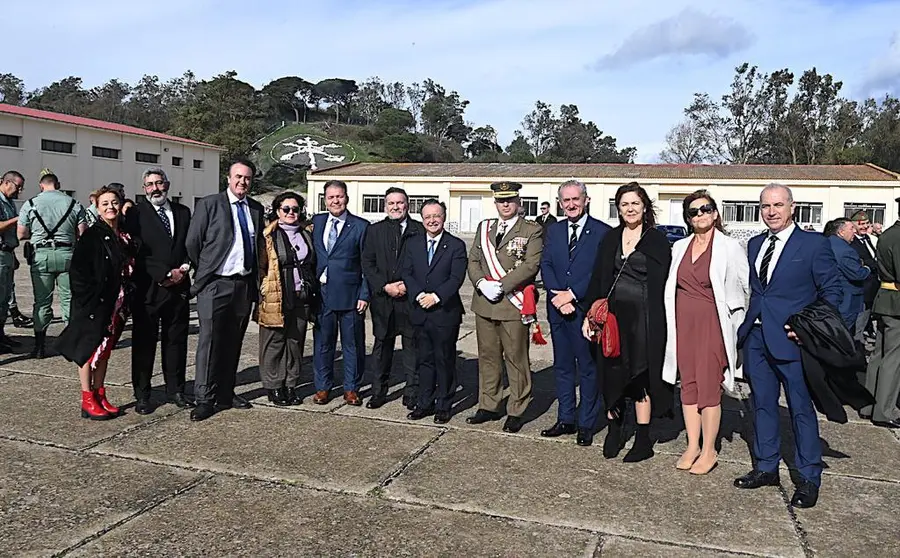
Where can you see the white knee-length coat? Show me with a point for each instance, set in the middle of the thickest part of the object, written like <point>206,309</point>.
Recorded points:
<point>729,273</point>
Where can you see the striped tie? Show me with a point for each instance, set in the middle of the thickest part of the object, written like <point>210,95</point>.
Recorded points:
<point>767,257</point>
<point>574,238</point>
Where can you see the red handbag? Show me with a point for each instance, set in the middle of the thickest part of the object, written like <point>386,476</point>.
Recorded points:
<point>605,323</point>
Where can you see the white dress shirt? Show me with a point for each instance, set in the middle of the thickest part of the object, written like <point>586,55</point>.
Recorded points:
<point>509,224</point>
<point>234,263</point>
<point>869,247</point>
<point>783,237</point>
<point>341,221</point>
<point>580,222</point>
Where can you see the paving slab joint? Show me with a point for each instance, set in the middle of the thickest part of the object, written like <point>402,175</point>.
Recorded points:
<point>139,426</point>
<point>594,547</point>
<point>378,491</point>
<point>189,487</point>
<point>798,526</point>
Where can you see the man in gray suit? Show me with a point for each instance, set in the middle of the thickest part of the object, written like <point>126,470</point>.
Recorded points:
<point>221,245</point>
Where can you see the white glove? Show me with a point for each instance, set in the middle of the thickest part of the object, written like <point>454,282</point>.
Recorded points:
<point>491,289</point>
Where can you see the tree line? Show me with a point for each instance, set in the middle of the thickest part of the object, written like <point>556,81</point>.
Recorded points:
<point>768,118</point>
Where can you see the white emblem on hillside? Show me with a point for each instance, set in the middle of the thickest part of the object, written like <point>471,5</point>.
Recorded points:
<point>310,147</point>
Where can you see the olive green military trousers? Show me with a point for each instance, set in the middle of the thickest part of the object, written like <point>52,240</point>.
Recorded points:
<point>50,272</point>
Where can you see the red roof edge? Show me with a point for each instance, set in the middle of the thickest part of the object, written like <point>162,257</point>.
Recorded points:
<point>97,124</point>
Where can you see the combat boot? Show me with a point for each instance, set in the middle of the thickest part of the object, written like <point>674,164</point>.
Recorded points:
<point>40,337</point>
<point>19,319</point>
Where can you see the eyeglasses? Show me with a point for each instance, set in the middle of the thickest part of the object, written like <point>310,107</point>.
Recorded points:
<point>694,211</point>
<point>157,183</point>
<point>290,209</point>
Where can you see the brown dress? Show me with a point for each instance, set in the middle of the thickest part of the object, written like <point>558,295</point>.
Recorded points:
<point>700,347</point>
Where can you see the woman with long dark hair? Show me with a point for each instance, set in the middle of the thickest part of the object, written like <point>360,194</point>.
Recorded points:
<point>289,294</point>
<point>102,287</point>
<point>630,271</point>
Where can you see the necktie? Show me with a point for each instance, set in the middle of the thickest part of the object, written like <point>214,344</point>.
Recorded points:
<point>245,235</point>
<point>767,257</point>
<point>869,244</point>
<point>574,238</point>
<point>501,230</point>
<point>332,235</point>
<point>431,244</point>
<point>165,220</point>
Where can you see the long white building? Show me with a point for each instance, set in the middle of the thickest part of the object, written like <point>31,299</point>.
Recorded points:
<point>821,192</point>
<point>86,153</point>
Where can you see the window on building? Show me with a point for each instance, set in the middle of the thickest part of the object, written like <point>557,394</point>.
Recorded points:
<point>57,146</point>
<point>875,211</point>
<point>373,204</point>
<point>613,210</point>
<point>415,203</point>
<point>198,163</point>
<point>7,140</point>
<point>808,213</point>
<point>530,205</point>
<point>740,211</point>
<point>105,152</point>
<point>151,158</point>
<point>176,199</point>
<point>559,209</point>
<point>176,161</point>
<point>321,203</point>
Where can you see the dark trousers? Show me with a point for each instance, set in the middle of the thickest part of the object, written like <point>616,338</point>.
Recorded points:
<point>167,324</point>
<point>281,352</point>
<point>766,375</point>
<point>352,328</point>
<point>436,356</point>
<point>383,361</point>
<point>223,307</point>
<point>571,356</point>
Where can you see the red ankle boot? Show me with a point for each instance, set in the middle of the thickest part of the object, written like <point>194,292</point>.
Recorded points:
<point>91,408</point>
<point>100,394</point>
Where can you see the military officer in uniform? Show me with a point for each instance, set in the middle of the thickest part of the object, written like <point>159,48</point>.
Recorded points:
<point>503,262</point>
<point>10,185</point>
<point>52,221</point>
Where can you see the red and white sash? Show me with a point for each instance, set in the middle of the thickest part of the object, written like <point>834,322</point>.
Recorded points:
<point>494,267</point>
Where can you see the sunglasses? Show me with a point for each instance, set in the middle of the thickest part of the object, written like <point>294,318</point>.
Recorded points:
<point>694,211</point>
<point>290,209</point>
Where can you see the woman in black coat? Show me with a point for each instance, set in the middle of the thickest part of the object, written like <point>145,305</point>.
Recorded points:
<point>101,285</point>
<point>639,255</point>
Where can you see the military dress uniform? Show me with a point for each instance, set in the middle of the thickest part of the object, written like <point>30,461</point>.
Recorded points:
<point>8,242</point>
<point>501,332</point>
<point>52,254</point>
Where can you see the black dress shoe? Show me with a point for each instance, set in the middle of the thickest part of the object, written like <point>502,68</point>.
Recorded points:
<point>513,424</point>
<point>376,401</point>
<point>202,412</point>
<point>887,423</point>
<point>181,401</point>
<point>143,407</point>
<point>806,495</point>
<point>409,401</point>
<point>615,438</point>
<point>238,402</point>
<point>278,397</point>
<point>482,416</point>
<point>419,414</point>
<point>293,396</point>
<point>442,417</point>
<point>756,479</point>
<point>585,437</point>
<point>558,429</point>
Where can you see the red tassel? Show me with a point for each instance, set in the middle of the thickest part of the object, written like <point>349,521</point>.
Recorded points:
<point>537,337</point>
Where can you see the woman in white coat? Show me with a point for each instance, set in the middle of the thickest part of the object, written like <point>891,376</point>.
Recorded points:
<point>705,297</point>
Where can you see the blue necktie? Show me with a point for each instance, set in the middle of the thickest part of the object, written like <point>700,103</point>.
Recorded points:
<point>165,220</point>
<point>332,235</point>
<point>245,235</point>
<point>431,244</point>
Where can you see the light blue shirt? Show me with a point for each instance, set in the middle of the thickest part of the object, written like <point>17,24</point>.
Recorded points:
<point>234,263</point>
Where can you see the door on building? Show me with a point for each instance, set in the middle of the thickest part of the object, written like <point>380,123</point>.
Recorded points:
<point>469,213</point>
<point>676,214</point>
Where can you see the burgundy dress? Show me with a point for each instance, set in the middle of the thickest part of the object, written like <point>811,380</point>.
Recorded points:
<point>700,347</point>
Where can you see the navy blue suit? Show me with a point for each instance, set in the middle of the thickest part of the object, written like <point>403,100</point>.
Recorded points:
<point>805,271</point>
<point>852,278</point>
<point>561,271</point>
<point>345,285</point>
<point>436,328</point>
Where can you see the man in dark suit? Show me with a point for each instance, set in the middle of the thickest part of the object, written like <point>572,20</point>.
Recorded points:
<point>545,219</point>
<point>160,228</point>
<point>567,262</point>
<point>851,272</point>
<point>338,238</point>
<point>434,268</point>
<point>789,269</point>
<point>865,247</point>
<point>221,245</point>
<point>390,306</point>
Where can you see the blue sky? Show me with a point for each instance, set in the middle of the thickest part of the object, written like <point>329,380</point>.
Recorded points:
<point>631,67</point>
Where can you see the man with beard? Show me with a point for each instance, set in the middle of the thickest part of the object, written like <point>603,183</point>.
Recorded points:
<point>381,257</point>
<point>10,185</point>
<point>162,285</point>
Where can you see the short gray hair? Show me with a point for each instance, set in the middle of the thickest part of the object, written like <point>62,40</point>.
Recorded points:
<point>153,170</point>
<point>573,182</point>
<point>777,186</point>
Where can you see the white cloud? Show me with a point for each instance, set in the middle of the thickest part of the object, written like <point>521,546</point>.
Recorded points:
<point>883,74</point>
<point>688,33</point>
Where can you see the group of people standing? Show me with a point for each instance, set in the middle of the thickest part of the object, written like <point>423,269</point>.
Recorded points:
<point>701,313</point>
